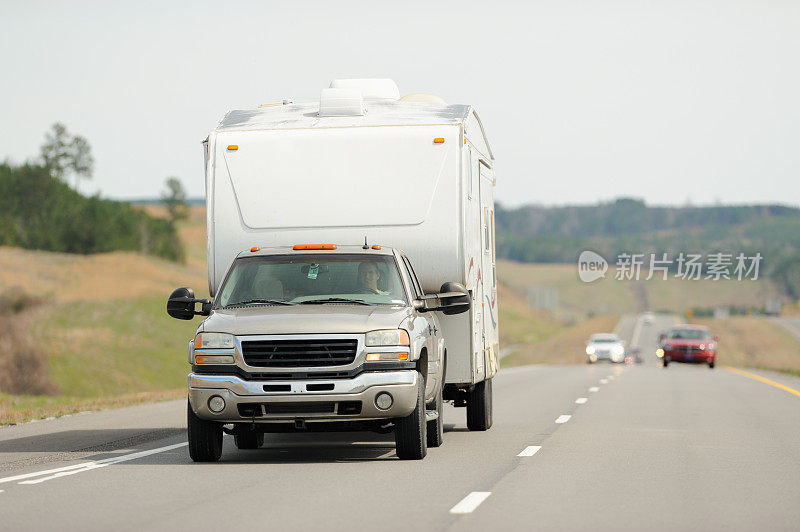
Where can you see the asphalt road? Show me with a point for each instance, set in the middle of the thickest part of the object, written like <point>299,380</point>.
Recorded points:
<point>603,447</point>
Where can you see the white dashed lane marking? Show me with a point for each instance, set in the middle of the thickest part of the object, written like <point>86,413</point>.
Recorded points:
<point>563,418</point>
<point>603,381</point>
<point>530,450</point>
<point>593,389</point>
<point>580,400</point>
<point>470,502</point>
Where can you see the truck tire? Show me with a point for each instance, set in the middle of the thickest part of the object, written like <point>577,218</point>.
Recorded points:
<point>205,438</point>
<point>665,362</point>
<point>410,432</point>
<point>479,406</point>
<point>436,426</point>
<point>249,440</point>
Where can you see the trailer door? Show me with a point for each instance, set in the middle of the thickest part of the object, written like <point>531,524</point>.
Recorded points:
<point>488,280</point>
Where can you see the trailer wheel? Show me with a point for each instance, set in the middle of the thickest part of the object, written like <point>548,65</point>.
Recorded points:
<point>249,440</point>
<point>479,406</point>
<point>410,432</point>
<point>205,438</point>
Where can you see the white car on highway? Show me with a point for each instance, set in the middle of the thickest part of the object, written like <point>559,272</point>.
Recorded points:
<point>605,346</point>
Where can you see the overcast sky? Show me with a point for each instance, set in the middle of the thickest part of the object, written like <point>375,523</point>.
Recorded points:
<point>668,101</point>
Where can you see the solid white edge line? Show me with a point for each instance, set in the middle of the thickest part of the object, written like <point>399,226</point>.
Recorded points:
<point>101,463</point>
<point>470,502</point>
<point>46,472</point>
<point>594,389</point>
<point>580,400</point>
<point>563,418</point>
<point>530,450</point>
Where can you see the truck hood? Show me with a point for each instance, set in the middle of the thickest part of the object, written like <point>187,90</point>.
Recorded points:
<point>305,319</point>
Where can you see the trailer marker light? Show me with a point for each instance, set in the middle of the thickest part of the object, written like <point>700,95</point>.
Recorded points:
<point>254,249</point>
<point>314,246</point>
<point>233,147</point>
<point>376,246</point>
<point>438,140</point>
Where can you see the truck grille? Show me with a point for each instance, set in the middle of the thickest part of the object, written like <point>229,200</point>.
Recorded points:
<point>298,353</point>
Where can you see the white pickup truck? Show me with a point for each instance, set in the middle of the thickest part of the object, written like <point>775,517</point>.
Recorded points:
<point>351,265</point>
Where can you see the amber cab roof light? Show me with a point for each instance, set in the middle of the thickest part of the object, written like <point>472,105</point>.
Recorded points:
<point>314,246</point>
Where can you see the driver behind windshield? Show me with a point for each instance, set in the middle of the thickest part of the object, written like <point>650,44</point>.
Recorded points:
<point>368,277</point>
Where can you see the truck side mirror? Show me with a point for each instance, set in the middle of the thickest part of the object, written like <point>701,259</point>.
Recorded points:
<point>181,304</point>
<point>716,338</point>
<point>453,298</point>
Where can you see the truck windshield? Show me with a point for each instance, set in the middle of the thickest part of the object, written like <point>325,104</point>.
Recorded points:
<point>313,279</point>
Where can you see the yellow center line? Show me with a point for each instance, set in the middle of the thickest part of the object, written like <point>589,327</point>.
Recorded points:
<point>763,379</point>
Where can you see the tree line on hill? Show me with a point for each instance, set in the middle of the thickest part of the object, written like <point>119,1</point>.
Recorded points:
<point>39,209</point>
<point>535,233</point>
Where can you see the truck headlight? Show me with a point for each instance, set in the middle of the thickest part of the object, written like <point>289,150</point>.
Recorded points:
<point>590,350</point>
<point>386,337</point>
<point>212,340</point>
<point>659,352</point>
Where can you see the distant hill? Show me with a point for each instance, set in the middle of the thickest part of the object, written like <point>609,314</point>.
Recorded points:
<point>559,234</point>
<point>38,211</point>
<point>159,201</point>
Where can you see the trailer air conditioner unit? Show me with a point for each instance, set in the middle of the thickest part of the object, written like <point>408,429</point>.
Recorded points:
<point>341,102</point>
<point>371,89</point>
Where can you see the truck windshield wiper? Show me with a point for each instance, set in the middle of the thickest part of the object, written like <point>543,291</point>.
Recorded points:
<point>336,300</point>
<point>262,301</point>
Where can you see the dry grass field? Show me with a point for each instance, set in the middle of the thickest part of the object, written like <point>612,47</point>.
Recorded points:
<point>98,333</point>
<point>610,296</point>
<point>565,346</point>
<point>755,342</point>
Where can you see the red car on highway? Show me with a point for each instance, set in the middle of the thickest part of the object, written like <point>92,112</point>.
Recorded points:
<point>688,343</point>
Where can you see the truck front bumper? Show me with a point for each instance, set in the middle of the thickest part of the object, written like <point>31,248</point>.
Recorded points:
<point>310,399</point>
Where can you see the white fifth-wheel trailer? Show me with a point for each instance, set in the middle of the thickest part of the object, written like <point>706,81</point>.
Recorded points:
<point>363,164</point>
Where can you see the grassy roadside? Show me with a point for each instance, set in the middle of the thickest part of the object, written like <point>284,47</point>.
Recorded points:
<point>540,338</point>
<point>754,342</point>
<point>21,408</point>
<point>564,347</point>
<point>106,353</point>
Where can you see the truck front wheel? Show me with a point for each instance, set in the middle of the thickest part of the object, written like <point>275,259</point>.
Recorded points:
<point>436,426</point>
<point>205,438</point>
<point>479,406</point>
<point>410,432</point>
